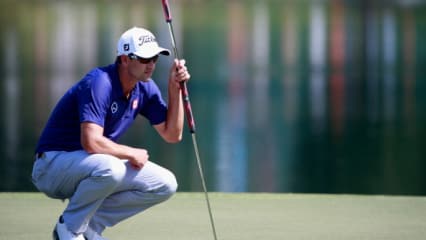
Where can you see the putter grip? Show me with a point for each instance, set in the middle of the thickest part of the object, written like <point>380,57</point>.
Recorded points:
<point>166,10</point>
<point>187,107</point>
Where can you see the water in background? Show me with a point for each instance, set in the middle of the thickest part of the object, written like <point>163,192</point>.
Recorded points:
<point>288,96</point>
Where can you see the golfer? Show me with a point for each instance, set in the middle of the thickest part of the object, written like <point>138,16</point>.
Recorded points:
<point>78,157</point>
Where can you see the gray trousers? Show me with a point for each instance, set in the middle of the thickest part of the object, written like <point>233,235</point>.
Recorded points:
<point>102,189</point>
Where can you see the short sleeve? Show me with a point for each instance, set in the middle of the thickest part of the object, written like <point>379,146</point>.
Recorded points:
<point>94,98</point>
<point>155,109</point>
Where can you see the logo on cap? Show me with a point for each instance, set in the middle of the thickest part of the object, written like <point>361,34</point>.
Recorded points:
<point>126,47</point>
<point>146,39</point>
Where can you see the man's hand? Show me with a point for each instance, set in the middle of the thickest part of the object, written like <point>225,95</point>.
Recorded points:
<point>139,158</point>
<point>179,73</point>
<point>93,141</point>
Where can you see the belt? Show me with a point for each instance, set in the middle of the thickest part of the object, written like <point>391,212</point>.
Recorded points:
<point>39,155</point>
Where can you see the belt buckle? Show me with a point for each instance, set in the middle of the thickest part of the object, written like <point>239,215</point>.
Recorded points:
<point>39,155</point>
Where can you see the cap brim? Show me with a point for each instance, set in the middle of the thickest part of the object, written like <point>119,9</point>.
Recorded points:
<point>153,52</point>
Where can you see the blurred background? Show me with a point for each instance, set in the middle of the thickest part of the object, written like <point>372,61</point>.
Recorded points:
<point>288,96</point>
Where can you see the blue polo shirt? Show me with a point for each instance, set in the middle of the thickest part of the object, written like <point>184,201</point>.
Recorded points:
<point>99,98</point>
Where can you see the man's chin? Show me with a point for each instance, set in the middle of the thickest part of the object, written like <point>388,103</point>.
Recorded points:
<point>144,80</point>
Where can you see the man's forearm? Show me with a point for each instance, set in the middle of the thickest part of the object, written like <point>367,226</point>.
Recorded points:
<point>175,115</point>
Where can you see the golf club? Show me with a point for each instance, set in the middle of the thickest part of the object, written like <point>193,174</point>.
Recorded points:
<point>188,112</point>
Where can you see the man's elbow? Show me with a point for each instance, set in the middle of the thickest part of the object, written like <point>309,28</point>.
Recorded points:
<point>89,146</point>
<point>173,139</point>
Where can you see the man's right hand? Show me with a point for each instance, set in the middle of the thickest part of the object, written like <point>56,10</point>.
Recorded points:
<point>139,158</point>
<point>93,141</point>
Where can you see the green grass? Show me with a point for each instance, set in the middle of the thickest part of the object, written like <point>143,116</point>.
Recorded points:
<point>237,217</point>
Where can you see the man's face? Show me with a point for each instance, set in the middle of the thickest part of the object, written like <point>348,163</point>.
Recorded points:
<point>141,68</point>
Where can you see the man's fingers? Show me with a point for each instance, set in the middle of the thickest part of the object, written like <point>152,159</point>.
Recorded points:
<point>179,63</point>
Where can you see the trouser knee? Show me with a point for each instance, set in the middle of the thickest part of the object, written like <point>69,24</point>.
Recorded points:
<point>169,187</point>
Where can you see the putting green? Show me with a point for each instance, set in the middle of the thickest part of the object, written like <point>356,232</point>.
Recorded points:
<point>237,216</point>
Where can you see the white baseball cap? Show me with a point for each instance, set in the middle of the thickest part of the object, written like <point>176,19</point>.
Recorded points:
<point>140,42</point>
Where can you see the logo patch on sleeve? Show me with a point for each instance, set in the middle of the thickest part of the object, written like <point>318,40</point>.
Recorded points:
<point>135,104</point>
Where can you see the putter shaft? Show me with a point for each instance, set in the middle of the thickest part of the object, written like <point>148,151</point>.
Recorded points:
<point>200,169</point>
<point>189,116</point>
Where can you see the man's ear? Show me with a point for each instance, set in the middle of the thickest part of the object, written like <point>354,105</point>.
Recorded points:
<point>124,59</point>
